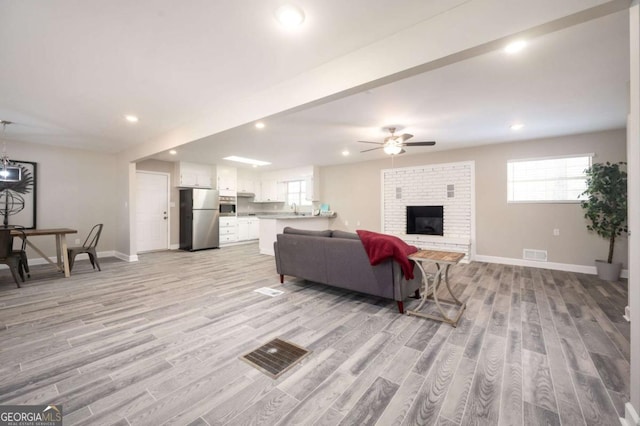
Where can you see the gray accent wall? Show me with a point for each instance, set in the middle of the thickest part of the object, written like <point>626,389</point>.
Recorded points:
<point>75,189</point>
<point>502,230</point>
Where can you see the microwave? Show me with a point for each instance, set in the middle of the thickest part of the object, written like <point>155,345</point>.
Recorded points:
<point>227,206</point>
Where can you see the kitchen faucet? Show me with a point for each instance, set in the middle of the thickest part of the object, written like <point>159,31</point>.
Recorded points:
<point>294,207</point>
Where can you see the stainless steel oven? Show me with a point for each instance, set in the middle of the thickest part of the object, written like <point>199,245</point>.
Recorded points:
<point>227,205</point>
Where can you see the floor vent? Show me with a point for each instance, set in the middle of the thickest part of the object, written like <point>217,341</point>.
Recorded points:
<point>537,255</point>
<point>275,357</point>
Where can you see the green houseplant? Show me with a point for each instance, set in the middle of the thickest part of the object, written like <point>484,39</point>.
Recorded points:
<point>605,209</point>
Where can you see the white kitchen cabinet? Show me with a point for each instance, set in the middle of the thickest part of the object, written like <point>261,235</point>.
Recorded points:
<point>313,185</point>
<point>254,229</point>
<point>228,230</point>
<point>193,175</point>
<point>271,191</point>
<point>248,228</point>
<point>246,186</point>
<point>273,184</point>
<point>227,180</point>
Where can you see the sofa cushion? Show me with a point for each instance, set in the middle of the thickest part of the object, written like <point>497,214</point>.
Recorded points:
<point>302,256</point>
<point>346,235</point>
<point>348,267</point>
<point>290,230</point>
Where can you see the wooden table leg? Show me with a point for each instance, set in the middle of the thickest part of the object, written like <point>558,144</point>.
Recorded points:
<point>65,255</point>
<point>58,258</point>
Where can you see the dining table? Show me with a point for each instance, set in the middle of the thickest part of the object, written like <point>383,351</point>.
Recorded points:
<point>60,235</point>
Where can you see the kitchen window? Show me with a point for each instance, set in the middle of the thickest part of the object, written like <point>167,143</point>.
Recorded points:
<point>297,193</point>
<point>547,180</point>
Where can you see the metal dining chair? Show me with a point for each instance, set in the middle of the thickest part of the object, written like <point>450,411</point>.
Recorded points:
<point>10,257</point>
<point>88,247</point>
<point>22,252</point>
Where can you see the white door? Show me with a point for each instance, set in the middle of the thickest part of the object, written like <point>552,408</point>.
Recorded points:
<point>152,211</point>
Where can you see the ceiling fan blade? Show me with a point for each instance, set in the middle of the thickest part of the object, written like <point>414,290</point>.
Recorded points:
<point>377,143</point>
<point>404,136</point>
<point>372,149</point>
<point>426,143</point>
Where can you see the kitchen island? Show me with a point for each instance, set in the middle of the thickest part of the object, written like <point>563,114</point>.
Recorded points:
<point>272,225</point>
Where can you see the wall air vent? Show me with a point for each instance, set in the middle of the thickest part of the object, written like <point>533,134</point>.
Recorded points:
<point>537,255</point>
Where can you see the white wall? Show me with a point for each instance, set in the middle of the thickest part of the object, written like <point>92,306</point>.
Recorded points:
<point>75,189</point>
<point>633,148</point>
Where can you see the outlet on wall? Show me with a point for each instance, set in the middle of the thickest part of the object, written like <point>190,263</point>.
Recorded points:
<point>77,241</point>
<point>556,232</point>
<point>346,223</point>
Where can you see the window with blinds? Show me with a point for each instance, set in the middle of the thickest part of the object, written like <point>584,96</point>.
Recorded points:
<point>559,179</point>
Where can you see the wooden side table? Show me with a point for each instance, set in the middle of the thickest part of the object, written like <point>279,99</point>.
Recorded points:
<point>443,260</point>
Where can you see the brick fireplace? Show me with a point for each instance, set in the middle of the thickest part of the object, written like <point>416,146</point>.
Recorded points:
<point>450,185</point>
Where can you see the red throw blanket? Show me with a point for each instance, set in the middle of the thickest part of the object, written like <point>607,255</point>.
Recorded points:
<point>381,246</point>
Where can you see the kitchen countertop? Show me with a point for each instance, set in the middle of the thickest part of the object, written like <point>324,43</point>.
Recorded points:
<point>273,224</point>
<point>291,216</point>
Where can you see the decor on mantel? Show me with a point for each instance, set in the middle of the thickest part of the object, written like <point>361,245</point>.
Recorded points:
<point>17,187</point>
<point>606,210</point>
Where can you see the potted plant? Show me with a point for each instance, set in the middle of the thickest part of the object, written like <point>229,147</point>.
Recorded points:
<point>605,208</point>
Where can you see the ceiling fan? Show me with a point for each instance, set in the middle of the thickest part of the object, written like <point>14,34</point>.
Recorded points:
<point>394,144</point>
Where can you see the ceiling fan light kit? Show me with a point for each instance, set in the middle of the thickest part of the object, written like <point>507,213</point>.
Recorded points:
<point>392,149</point>
<point>394,144</point>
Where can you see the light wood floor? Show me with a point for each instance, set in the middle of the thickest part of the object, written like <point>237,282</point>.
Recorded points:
<point>158,342</point>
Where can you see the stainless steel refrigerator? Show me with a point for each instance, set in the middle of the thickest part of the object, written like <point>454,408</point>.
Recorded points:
<point>199,219</point>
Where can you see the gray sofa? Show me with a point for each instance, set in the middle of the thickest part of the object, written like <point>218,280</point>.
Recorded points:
<point>338,258</point>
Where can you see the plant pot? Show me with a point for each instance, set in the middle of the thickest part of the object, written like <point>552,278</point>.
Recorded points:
<point>608,271</point>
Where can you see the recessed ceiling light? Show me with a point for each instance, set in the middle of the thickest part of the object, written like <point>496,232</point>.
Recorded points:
<point>516,46</point>
<point>131,118</point>
<point>516,126</point>
<point>289,16</point>
<point>259,125</point>
<point>345,152</point>
<point>247,160</point>
<point>173,152</point>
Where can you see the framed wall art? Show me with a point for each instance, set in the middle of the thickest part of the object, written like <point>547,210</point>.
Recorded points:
<point>18,191</point>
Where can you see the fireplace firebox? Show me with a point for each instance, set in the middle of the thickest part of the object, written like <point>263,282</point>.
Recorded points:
<point>425,220</point>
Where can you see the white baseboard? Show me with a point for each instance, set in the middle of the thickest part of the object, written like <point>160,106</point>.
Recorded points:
<point>631,416</point>
<point>101,254</point>
<point>627,313</point>
<point>174,247</point>
<point>568,267</point>
<point>126,257</point>
<point>237,243</point>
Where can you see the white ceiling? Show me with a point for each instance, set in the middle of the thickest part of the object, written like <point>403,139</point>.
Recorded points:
<point>72,69</point>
